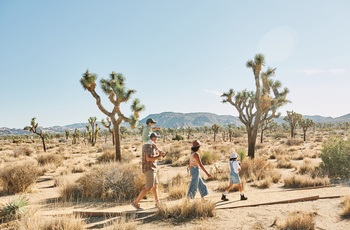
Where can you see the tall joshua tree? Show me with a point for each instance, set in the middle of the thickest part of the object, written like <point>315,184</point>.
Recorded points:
<point>215,128</point>
<point>256,107</point>
<point>117,93</point>
<point>34,129</point>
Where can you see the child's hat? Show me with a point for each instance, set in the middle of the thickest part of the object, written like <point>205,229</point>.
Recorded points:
<point>233,155</point>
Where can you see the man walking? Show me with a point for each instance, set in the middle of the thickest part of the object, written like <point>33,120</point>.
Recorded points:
<point>150,156</point>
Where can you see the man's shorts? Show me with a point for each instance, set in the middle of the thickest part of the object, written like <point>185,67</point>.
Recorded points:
<point>151,178</point>
<point>235,179</point>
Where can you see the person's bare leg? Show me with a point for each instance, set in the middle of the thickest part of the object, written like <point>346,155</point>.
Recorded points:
<point>155,194</point>
<point>229,188</point>
<point>143,192</point>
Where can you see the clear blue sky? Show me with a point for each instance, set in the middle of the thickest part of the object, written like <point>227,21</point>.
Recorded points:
<point>180,55</point>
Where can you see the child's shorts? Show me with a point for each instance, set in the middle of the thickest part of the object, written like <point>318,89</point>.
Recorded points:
<point>235,179</point>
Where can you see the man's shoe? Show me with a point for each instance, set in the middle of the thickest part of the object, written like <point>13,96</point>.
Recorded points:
<point>223,198</point>
<point>243,197</point>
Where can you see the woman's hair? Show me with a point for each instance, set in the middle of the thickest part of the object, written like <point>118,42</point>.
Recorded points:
<point>195,148</point>
<point>233,159</point>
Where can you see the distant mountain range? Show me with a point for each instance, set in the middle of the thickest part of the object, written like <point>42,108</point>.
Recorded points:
<point>177,120</point>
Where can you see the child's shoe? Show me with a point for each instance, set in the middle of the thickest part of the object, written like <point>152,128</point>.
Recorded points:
<point>243,197</point>
<point>223,198</point>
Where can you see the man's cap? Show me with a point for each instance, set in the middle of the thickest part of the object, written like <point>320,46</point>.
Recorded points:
<point>196,143</point>
<point>154,135</point>
<point>233,155</point>
<point>150,120</point>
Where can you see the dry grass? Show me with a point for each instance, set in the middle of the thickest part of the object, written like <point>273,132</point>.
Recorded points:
<point>302,181</point>
<point>208,157</point>
<point>298,221</point>
<point>19,177</point>
<point>35,220</point>
<point>187,210</point>
<point>345,213</point>
<point>258,169</point>
<point>50,158</point>
<point>284,162</point>
<point>178,187</point>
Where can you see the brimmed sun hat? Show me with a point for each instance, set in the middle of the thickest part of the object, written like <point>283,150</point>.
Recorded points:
<point>196,143</point>
<point>233,155</point>
<point>154,135</point>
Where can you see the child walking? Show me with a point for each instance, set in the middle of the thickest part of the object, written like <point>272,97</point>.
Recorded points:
<point>234,177</point>
<point>194,166</point>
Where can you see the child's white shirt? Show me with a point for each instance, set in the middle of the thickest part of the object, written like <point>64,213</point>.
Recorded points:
<point>235,166</point>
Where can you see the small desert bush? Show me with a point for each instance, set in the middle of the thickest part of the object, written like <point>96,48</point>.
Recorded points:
<point>306,168</point>
<point>336,158</point>
<point>107,156</point>
<point>49,158</point>
<point>298,221</point>
<point>345,213</point>
<point>22,151</point>
<point>19,177</point>
<point>35,221</point>
<point>258,169</point>
<point>302,181</point>
<point>112,181</point>
<point>14,209</point>
<point>291,142</point>
<point>279,135</point>
<point>209,158</point>
<point>219,172</point>
<point>178,187</point>
<point>284,162</point>
<point>187,210</point>
<point>264,183</point>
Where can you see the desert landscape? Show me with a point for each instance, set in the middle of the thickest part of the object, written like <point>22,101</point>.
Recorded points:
<point>80,186</point>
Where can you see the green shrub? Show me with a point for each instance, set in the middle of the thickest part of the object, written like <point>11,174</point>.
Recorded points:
<point>178,137</point>
<point>335,155</point>
<point>208,158</point>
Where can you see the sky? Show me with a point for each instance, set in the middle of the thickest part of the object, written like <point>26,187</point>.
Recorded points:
<point>179,55</point>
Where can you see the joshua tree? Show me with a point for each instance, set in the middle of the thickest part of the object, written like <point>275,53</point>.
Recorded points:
<point>117,93</point>
<point>34,129</point>
<point>76,135</point>
<point>215,128</point>
<point>267,124</point>
<point>292,118</point>
<point>255,107</point>
<point>305,124</point>
<point>67,132</point>
<point>108,126</point>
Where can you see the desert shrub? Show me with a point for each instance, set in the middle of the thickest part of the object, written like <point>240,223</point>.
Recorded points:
<point>49,158</point>
<point>345,213</point>
<point>223,186</point>
<point>298,221</point>
<point>284,162</point>
<point>112,181</point>
<point>306,168</point>
<point>107,156</point>
<point>291,142</point>
<point>178,187</point>
<point>37,221</point>
<point>14,209</point>
<point>220,173</point>
<point>178,137</point>
<point>22,151</point>
<point>264,183</point>
<point>302,181</point>
<point>279,135</point>
<point>187,210</point>
<point>258,169</point>
<point>208,158</point>
<point>19,177</point>
<point>336,158</point>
